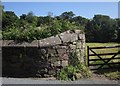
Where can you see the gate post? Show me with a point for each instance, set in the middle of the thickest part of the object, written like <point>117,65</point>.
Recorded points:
<point>88,56</point>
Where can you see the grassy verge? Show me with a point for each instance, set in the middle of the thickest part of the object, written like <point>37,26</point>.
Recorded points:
<point>113,75</point>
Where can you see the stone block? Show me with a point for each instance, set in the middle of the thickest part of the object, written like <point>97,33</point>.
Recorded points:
<point>74,43</point>
<point>64,63</point>
<point>61,51</point>
<point>72,46</point>
<point>65,57</point>
<point>77,31</point>
<point>51,51</point>
<point>81,36</point>
<point>49,41</point>
<point>13,43</point>
<point>78,45</point>
<point>68,37</point>
<point>57,63</point>
<point>34,43</point>
<point>60,47</point>
<point>1,43</point>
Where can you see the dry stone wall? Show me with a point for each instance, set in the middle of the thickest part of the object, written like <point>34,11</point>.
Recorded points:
<point>41,57</point>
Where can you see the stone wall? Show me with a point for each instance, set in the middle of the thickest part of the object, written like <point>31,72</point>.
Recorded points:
<point>41,57</point>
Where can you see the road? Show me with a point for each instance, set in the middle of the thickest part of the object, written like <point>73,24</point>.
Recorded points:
<point>53,81</point>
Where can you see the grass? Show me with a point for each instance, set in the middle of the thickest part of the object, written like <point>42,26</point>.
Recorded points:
<point>109,74</point>
<point>106,50</point>
<point>104,44</point>
<point>113,75</point>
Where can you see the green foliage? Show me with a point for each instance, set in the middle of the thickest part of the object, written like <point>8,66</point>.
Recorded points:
<point>67,15</point>
<point>101,28</point>
<point>113,75</point>
<point>25,32</point>
<point>75,67</point>
<point>67,73</point>
<point>9,19</point>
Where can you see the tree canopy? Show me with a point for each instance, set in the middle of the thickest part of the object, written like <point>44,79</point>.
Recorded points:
<point>101,28</point>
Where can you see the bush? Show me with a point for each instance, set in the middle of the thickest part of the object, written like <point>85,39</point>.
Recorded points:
<point>28,33</point>
<point>75,70</point>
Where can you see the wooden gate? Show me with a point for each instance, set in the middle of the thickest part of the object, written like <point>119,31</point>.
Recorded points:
<point>103,60</point>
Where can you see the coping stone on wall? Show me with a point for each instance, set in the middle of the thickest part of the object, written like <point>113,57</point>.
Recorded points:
<point>12,43</point>
<point>34,43</point>
<point>68,37</point>
<point>77,31</point>
<point>53,40</point>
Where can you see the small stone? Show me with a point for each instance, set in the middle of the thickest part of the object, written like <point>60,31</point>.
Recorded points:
<point>78,75</point>
<point>57,63</point>
<point>78,31</point>
<point>74,43</point>
<point>72,46</point>
<point>65,63</point>
<point>79,45</point>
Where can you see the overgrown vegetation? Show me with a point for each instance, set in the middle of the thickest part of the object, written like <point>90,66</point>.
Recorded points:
<point>113,75</point>
<point>101,28</point>
<point>75,70</point>
<point>32,33</point>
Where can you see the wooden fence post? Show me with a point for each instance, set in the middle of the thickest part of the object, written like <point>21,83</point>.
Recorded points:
<point>88,56</point>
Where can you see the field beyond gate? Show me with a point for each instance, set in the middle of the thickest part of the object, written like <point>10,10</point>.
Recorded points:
<point>107,57</point>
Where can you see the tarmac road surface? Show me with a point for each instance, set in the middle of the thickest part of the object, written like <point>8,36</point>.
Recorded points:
<point>53,81</point>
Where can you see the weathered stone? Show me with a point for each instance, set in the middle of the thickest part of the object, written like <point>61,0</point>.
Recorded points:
<point>78,75</point>
<point>65,57</point>
<point>72,46</point>
<point>34,43</point>
<point>61,51</point>
<point>45,56</point>
<point>78,31</point>
<point>57,63</point>
<point>1,43</point>
<point>68,37</point>
<point>81,36</point>
<point>60,47</point>
<point>78,45</point>
<point>82,55</point>
<point>74,43</point>
<point>43,51</point>
<point>51,51</point>
<point>64,63</point>
<point>12,43</point>
<point>51,72</point>
<point>49,41</point>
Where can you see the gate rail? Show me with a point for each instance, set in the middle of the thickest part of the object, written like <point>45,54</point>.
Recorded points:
<point>105,60</point>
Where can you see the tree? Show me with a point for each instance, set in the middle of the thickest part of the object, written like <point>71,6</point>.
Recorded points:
<point>23,16</point>
<point>1,10</point>
<point>9,19</point>
<point>67,15</point>
<point>79,20</point>
<point>31,19</point>
<point>118,29</point>
<point>102,29</point>
<point>46,20</point>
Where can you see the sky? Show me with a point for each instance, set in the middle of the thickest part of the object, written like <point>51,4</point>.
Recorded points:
<point>84,9</point>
